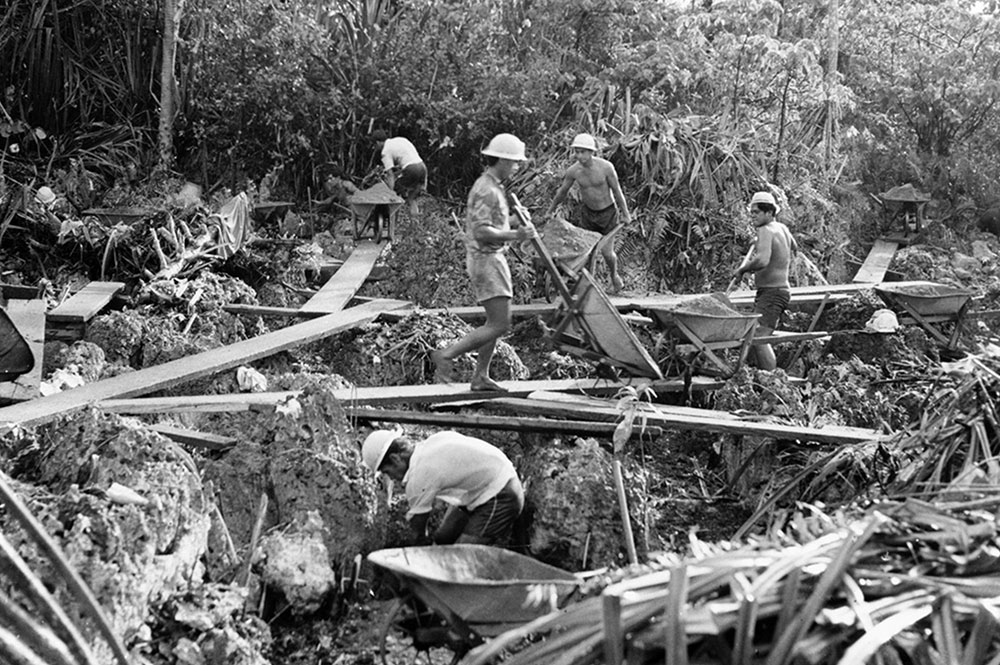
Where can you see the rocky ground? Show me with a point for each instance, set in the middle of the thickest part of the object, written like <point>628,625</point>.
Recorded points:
<point>254,554</point>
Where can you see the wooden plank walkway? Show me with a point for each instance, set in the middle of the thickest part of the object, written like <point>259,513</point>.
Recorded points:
<point>28,316</point>
<point>501,423</point>
<point>873,270</point>
<point>84,305</point>
<point>178,371</point>
<point>802,296</point>
<point>344,284</point>
<point>584,408</point>
<point>431,393</point>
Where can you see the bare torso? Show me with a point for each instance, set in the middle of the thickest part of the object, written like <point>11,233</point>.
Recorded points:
<point>594,182</point>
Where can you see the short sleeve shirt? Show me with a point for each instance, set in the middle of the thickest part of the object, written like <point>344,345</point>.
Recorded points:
<point>486,206</point>
<point>457,469</point>
<point>398,151</point>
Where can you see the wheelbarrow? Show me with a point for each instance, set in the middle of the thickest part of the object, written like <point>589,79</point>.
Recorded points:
<point>455,597</point>
<point>931,305</point>
<point>585,322</point>
<point>702,325</point>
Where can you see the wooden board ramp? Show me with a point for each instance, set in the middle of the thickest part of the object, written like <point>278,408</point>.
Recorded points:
<point>28,316</point>
<point>801,297</point>
<point>431,393</point>
<point>344,284</point>
<point>176,372</point>
<point>503,423</point>
<point>876,264</point>
<point>723,422</point>
<point>68,320</point>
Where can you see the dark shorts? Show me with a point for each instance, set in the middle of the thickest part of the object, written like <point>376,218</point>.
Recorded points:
<point>602,221</point>
<point>489,524</point>
<point>490,275</point>
<point>412,180</point>
<point>770,302</point>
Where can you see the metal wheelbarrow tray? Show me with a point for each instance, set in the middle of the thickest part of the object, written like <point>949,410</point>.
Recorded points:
<point>929,304</point>
<point>454,597</point>
<point>709,324</point>
<point>926,299</point>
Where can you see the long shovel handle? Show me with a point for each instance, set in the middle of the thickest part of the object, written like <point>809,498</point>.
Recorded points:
<point>732,282</point>
<point>543,253</point>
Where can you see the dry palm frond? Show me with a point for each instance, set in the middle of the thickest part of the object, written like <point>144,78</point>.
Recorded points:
<point>898,579</point>
<point>37,641</point>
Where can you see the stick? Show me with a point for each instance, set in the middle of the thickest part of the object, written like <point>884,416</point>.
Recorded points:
<point>616,468</point>
<point>732,282</point>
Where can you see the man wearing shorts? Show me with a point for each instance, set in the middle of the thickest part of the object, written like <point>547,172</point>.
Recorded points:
<point>405,172</point>
<point>476,480</point>
<point>601,197</point>
<point>487,233</point>
<point>769,262</point>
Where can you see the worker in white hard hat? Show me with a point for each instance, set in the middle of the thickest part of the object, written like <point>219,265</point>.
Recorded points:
<point>769,261</point>
<point>488,232</point>
<point>45,209</point>
<point>476,480</point>
<point>602,203</point>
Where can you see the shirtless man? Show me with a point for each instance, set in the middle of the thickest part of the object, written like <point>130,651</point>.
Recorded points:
<point>769,262</point>
<point>597,181</point>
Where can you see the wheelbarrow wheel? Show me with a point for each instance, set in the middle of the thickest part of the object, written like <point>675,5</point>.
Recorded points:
<point>418,630</point>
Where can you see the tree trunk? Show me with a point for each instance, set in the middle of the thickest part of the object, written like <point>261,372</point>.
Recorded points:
<point>171,14</point>
<point>831,122</point>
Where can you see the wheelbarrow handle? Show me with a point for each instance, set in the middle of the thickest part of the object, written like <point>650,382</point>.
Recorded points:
<point>543,252</point>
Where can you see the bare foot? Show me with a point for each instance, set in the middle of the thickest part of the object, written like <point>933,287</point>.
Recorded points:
<point>617,284</point>
<point>486,384</point>
<point>444,368</point>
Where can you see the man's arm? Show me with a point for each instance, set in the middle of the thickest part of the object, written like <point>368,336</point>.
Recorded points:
<point>761,254</point>
<point>560,196</point>
<point>419,525</point>
<point>616,191</point>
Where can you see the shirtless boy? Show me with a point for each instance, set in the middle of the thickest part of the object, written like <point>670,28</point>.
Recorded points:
<point>600,195</point>
<point>769,262</point>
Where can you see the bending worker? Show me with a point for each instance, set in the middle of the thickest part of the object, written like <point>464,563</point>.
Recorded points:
<point>769,262</point>
<point>405,172</point>
<point>475,478</point>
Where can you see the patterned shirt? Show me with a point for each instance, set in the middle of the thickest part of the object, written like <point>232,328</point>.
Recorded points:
<point>486,206</point>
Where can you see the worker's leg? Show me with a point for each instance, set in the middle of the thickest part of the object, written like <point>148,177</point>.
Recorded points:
<point>611,259</point>
<point>491,282</point>
<point>452,526</point>
<point>770,303</point>
<point>493,522</point>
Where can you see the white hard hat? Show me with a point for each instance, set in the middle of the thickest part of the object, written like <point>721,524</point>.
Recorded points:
<point>882,321</point>
<point>585,141</point>
<point>45,195</point>
<point>376,445</point>
<point>765,197</point>
<point>506,146</point>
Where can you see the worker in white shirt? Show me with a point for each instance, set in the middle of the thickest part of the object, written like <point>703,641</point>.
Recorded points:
<point>405,172</point>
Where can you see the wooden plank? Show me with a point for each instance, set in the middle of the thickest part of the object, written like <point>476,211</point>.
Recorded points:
<point>295,312</point>
<point>21,292</point>
<point>778,337</point>
<point>194,438</point>
<point>877,263</point>
<point>178,371</point>
<point>691,419</point>
<point>28,316</point>
<point>802,296</point>
<point>340,288</point>
<point>432,393</point>
<point>83,305</point>
<point>504,423</point>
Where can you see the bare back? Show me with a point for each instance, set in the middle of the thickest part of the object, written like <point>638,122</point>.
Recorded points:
<point>775,245</point>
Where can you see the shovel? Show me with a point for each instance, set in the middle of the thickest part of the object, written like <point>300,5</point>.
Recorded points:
<point>723,297</point>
